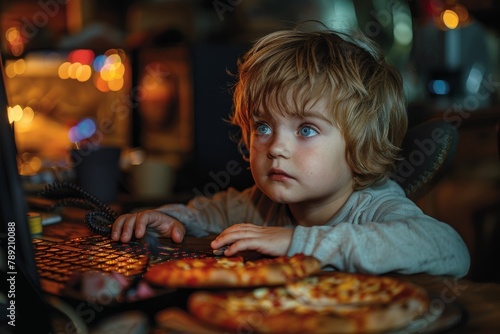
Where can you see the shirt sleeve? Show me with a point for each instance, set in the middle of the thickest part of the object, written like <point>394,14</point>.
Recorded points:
<point>203,216</point>
<point>383,234</point>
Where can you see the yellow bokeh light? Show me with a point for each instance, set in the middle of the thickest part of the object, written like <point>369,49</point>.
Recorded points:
<point>15,41</point>
<point>63,70</point>
<point>115,84</point>
<point>15,113</point>
<point>112,71</point>
<point>28,115</point>
<point>450,19</point>
<point>106,73</point>
<point>9,70</point>
<point>19,66</point>
<point>12,34</point>
<point>113,59</point>
<point>31,165</point>
<point>73,69</point>
<point>119,70</point>
<point>35,164</point>
<point>83,73</point>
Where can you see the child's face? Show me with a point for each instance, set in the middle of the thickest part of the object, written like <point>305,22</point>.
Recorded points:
<point>297,160</point>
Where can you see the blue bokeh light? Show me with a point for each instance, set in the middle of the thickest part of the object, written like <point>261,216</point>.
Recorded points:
<point>439,87</point>
<point>86,128</point>
<point>99,62</point>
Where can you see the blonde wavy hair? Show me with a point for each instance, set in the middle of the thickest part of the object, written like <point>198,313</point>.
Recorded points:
<point>288,70</point>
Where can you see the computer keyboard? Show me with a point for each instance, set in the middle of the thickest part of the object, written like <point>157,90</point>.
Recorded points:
<point>57,262</point>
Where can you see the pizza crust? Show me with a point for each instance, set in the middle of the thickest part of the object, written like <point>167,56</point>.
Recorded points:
<point>231,272</point>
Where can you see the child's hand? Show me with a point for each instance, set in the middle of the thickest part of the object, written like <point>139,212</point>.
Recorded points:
<point>135,224</point>
<point>267,240</point>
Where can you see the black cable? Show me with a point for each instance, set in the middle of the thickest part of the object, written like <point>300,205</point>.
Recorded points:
<point>100,216</point>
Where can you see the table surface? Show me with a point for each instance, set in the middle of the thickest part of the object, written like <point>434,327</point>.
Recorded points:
<point>476,304</point>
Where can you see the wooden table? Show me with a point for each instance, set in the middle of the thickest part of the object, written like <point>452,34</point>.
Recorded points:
<point>472,307</point>
<point>480,302</point>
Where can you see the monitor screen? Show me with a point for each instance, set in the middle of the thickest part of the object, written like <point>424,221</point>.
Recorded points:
<point>25,303</point>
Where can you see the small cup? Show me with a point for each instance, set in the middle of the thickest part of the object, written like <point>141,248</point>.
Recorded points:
<point>35,224</point>
<point>152,179</point>
<point>98,170</point>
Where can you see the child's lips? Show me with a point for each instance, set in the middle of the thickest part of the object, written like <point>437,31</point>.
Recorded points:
<point>278,175</point>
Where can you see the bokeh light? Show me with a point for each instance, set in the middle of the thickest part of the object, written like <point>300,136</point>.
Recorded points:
<point>99,62</point>
<point>439,87</point>
<point>15,68</point>
<point>85,129</point>
<point>15,41</point>
<point>109,68</point>
<point>450,19</point>
<point>81,56</point>
<point>20,114</point>
<point>15,113</point>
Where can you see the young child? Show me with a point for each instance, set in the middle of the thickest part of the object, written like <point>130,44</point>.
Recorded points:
<point>322,116</point>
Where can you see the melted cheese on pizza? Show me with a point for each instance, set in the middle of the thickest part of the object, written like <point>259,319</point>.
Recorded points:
<point>266,300</point>
<point>342,289</point>
<point>223,262</point>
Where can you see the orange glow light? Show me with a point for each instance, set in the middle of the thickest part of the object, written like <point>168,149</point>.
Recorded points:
<point>63,70</point>
<point>450,19</point>
<point>100,84</point>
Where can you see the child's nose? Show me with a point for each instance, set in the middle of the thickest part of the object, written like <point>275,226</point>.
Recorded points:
<point>279,147</point>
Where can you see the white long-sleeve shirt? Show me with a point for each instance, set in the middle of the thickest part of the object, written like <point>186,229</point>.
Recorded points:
<point>378,230</point>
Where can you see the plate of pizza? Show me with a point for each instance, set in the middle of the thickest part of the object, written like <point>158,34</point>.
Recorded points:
<point>231,272</point>
<point>333,302</point>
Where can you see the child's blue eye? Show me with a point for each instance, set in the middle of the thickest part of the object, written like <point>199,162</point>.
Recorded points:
<point>307,131</point>
<point>263,129</point>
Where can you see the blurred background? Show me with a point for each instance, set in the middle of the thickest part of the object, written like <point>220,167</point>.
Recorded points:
<point>153,80</point>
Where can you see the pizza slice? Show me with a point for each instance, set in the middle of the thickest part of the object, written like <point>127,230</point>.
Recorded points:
<point>330,303</point>
<point>218,272</point>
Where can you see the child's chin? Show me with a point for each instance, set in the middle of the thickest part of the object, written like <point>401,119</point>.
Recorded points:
<point>280,199</point>
<point>279,193</point>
